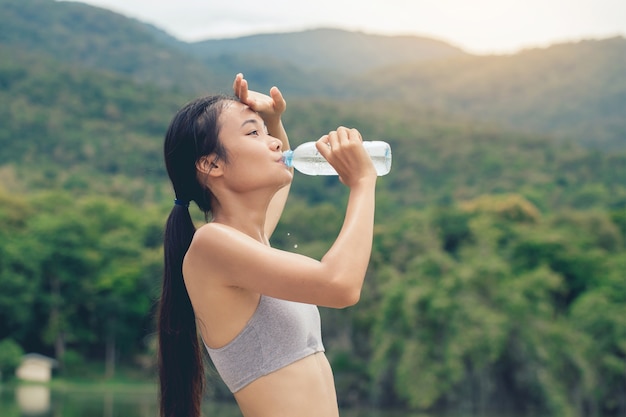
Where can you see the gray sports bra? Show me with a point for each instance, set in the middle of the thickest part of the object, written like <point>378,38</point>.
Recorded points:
<point>278,333</point>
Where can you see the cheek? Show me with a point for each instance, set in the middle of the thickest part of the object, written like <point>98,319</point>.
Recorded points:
<point>242,173</point>
<point>241,161</point>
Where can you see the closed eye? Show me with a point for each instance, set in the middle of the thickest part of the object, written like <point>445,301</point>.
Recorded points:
<point>257,132</point>
<point>255,124</point>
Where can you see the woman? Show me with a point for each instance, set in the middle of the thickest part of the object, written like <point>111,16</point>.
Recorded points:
<point>254,307</point>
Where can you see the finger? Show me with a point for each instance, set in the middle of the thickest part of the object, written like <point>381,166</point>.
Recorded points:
<point>237,83</point>
<point>356,134</point>
<point>333,139</point>
<point>277,97</point>
<point>323,146</point>
<point>243,91</point>
<point>343,136</point>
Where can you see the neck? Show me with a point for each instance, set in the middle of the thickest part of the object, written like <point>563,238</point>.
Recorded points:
<point>244,213</point>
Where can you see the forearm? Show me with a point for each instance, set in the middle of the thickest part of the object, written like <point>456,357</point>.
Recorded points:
<point>277,204</point>
<point>347,260</point>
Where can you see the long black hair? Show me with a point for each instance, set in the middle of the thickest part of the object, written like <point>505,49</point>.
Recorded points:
<point>192,134</point>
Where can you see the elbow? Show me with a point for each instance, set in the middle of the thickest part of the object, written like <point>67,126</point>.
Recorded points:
<point>351,298</point>
<point>342,285</point>
<point>346,295</point>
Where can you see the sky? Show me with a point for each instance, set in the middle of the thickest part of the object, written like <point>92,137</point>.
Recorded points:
<point>477,26</point>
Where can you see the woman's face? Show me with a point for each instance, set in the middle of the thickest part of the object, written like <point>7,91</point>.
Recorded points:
<point>254,157</point>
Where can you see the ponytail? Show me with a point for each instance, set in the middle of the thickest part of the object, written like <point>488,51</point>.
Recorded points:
<point>181,370</point>
<point>192,134</point>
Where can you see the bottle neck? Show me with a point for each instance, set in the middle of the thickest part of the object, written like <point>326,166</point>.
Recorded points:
<point>288,158</point>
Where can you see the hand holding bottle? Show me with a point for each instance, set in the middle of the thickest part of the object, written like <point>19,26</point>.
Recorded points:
<point>308,160</point>
<point>343,149</point>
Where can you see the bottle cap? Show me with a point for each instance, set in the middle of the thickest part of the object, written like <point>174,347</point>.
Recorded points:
<point>288,158</point>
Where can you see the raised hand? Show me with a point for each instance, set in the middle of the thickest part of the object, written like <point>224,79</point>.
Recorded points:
<point>270,108</point>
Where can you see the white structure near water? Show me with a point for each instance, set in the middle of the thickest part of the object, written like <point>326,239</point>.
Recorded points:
<point>36,368</point>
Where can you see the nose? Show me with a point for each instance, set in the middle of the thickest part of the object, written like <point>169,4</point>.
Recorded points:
<point>276,145</point>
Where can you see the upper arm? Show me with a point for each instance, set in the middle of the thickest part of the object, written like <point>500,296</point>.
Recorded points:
<point>240,261</point>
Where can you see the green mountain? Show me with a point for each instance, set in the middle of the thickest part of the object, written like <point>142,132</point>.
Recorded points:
<point>89,131</point>
<point>574,91</point>
<point>78,34</point>
<point>61,110</point>
<point>85,130</point>
<point>331,50</point>
<point>316,62</point>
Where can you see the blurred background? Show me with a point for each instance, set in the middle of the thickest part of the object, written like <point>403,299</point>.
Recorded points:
<point>497,285</point>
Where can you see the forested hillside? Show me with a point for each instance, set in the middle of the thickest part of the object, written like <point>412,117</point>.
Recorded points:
<point>75,33</point>
<point>574,92</point>
<point>332,50</point>
<point>64,127</point>
<point>497,274</point>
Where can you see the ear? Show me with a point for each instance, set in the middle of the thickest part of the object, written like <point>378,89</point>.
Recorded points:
<point>210,165</point>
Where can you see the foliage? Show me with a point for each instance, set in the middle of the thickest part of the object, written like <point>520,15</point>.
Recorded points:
<point>95,38</point>
<point>10,357</point>
<point>87,269</point>
<point>571,90</point>
<point>483,326</point>
<point>352,52</point>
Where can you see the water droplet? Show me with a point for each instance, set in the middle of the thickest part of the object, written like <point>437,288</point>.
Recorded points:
<point>295,246</point>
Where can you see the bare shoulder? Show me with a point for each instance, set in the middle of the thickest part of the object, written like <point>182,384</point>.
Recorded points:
<point>217,234</point>
<point>213,231</point>
<point>217,248</point>
<point>220,242</point>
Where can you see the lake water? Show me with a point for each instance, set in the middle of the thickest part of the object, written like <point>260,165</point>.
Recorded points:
<point>41,401</point>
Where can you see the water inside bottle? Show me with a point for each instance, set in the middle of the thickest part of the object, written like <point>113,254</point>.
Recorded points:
<point>314,164</point>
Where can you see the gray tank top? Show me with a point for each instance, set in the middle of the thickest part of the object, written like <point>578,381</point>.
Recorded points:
<point>279,333</point>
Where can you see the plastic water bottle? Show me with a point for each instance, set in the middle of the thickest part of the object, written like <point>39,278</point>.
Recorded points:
<point>307,160</point>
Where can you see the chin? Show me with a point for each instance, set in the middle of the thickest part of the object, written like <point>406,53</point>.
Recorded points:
<point>287,178</point>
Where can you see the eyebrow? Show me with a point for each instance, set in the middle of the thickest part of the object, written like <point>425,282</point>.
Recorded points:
<point>250,121</point>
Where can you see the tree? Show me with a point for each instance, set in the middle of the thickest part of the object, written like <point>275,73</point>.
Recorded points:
<point>10,357</point>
